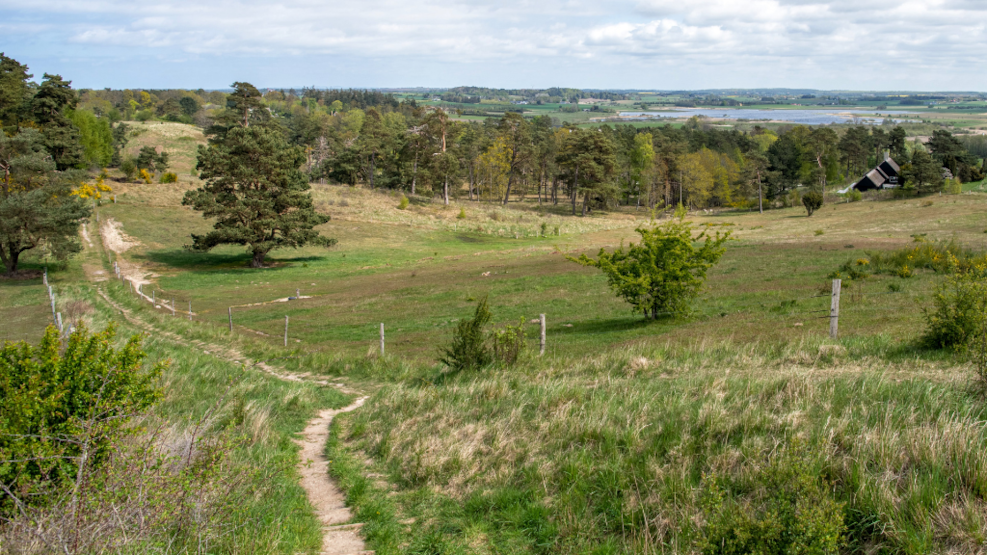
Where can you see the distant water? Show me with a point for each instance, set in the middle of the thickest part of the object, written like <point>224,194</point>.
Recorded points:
<point>807,117</point>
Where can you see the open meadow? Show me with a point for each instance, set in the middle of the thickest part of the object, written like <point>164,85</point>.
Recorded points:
<point>627,436</point>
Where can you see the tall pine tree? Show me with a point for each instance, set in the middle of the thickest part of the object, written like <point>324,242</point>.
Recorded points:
<point>255,190</point>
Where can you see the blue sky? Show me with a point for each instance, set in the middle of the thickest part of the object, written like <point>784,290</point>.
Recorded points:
<point>645,44</point>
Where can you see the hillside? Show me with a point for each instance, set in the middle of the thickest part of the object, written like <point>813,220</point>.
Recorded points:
<point>627,436</point>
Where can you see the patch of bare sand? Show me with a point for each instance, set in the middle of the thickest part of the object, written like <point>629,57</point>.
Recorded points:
<point>119,242</point>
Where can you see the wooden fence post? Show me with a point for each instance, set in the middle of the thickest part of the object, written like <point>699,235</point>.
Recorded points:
<point>834,310</point>
<point>286,331</point>
<point>542,318</point>
<point>190,311</point>
<point>230,311</point>
<point>58,321</point>
<point>382,339</point>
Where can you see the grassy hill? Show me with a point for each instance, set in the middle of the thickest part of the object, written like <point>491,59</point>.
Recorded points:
<point>628,436</point>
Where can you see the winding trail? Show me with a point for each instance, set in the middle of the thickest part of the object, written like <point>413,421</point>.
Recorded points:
<point>339,536</point>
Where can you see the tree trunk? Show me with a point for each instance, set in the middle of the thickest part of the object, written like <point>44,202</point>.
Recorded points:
<point>414,174</point>
<point>258,259</point>
<point>471,182</point>
<point>372,171</point>
<point>760,201</point>
<point>585,199</point>
<point>555,189</point>
<point>445,191</point>
<point>575,188</point>
<point>9,261</point>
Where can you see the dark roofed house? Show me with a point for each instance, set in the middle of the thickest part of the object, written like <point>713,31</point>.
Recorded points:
<point>885,176</point>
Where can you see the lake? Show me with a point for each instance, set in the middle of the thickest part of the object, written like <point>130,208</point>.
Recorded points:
<point>807,117</point>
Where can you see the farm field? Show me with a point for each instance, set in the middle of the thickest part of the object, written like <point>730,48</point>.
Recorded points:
<point>619,439</point>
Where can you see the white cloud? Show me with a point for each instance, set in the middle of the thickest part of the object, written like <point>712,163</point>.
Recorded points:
<point>840,43</point>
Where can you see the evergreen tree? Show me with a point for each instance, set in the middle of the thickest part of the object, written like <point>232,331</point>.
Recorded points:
<point>924,175</point>
<point>37,208</point>
<point>61,136</point>
<point>256,192</point>
<point>14,91</point>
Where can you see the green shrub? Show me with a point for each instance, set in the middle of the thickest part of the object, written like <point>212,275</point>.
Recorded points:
<point>853,195</point>
<point>953,187</point>
<point>61,406</point>
<point>169,177</point>
<point>812,201</point>
<point>469,349</point>
<point>663,273</point>
<point>784,508</point>
<point>129,168</point>
<point>508,343</point>
<point>544,228</point>
<point>403,203</point>
<point>958,310</point>
<point>462,214</point>
<point>819,232</point>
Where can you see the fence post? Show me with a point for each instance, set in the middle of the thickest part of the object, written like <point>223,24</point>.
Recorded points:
<point>58,320</point>
<point>173,308</point>
<point>834,310</point>
<point>230,311</point>
<point>382,339</point>
<point>298,293</point>
<point>542,318</point>
<point>286,331</point>
<point>154,297</point>
<point>190,311</point>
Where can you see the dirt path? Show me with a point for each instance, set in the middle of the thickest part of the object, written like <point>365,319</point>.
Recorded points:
<point>329,502</point>
<point>338,537</point>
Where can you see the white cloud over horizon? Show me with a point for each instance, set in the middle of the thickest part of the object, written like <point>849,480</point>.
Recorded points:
<point>648,44</point>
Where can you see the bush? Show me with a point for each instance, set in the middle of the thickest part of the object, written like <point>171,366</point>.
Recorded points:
<point>508,343</point>
<point>462,214</point>
<point>169,177</point>
<point>62,407</point>
<point>147,177</point>
<point>403,203</point>
<point>812,201</point>
<point>468,350</point>
<point>663,273</point>
<point>953,187</point>
<point>783,508</point>
<point>854,195</point>
<point>129,168</point>
<point>958,310</point>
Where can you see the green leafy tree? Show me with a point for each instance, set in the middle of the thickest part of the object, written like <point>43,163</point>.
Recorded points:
<point>516,132</point>
<point>61,405</point>
<point>120,141</point>
<point>257,193</point>
<point>95,137</point>
<point>189,105</point>
<point>665,271</point>
<point>896,144</point>
<point>590,158</point>
<point>37,208</point>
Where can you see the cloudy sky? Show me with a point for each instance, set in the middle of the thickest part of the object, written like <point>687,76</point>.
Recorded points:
<point>644,44</point>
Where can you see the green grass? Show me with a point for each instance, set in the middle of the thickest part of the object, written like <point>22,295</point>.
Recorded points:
<point>602,445</point>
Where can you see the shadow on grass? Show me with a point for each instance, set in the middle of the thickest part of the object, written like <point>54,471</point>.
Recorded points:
<point>180,258</point>
<point>609,326</point>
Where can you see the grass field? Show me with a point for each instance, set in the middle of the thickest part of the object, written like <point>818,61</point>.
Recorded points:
<point>608,444</point>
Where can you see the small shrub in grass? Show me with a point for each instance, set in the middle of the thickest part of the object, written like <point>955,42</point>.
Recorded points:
<point>508,343</point>
<point>344,203</point>
<point>403,203</point>
<point>953,187</point>
<point>544,228</point>
<point>812,201</point>
<point>819,232</point>
<point>146,176</point>
<point>462,214</point>
<point>469,349</point>
<point>129,168</point>
<point>958,310</point>
<point>781,509</point>
<point>168,177</point>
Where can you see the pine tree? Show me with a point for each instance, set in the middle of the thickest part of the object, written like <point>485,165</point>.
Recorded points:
<point>256,192</point>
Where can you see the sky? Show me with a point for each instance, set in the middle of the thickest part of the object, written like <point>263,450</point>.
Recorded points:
<point>930,45</point>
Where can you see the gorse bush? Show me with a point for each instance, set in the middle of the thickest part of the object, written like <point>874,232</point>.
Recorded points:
<point>469,350</point>
<point>944,257</point>
<point>168,177</point>
<point>60,409</point>
<point>784,508</point>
